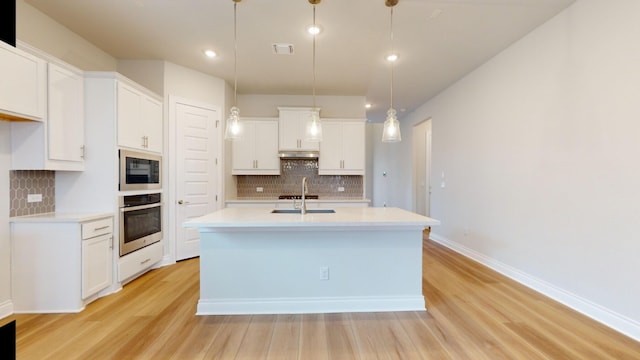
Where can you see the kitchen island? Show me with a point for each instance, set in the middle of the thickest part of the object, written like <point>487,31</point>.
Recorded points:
<point>253,261</point>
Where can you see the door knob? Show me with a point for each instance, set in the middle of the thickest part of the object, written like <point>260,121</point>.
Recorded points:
<point>182,202</point>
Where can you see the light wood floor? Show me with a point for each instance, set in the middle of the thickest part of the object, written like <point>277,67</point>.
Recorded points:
<point>473,313</point>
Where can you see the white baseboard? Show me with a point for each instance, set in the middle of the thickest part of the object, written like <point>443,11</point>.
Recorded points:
<point>599,313</point>
<point>309,305</point>
<point>165,261</point>
<point>6,308</point>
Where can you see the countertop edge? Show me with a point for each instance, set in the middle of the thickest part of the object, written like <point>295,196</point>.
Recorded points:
<point>60,217</point>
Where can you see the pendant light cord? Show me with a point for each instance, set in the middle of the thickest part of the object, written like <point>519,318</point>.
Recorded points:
<point>314,60</point>
<point>391,42</point>
<point>235,54</point>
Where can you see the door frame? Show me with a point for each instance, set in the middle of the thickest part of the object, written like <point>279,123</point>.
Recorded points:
<point>427,156</point>
<point>170,190</point>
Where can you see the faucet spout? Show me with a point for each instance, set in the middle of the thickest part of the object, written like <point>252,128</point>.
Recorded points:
<point>303,207</point>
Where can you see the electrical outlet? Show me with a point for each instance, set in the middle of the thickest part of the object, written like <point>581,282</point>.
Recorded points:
<point>259,189</point>
<point>341,188</point>
<point>34,198</point>
<point>324,273</point>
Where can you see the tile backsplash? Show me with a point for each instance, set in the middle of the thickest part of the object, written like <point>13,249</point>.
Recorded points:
<point>290,179</point>
<point>25,182</point>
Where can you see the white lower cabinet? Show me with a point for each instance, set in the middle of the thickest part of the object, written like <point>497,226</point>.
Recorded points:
<point>139,261</point>
<point>97,256</point>
<point>60,264</point>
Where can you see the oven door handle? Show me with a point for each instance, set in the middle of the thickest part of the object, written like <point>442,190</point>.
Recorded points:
<point>140,207</point>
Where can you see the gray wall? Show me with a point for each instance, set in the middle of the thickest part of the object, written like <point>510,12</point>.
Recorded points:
<point>540,148</point>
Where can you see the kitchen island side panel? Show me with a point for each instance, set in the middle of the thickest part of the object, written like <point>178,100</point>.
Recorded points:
<point>279,271</point>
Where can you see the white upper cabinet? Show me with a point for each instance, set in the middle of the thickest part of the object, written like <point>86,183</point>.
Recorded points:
<point>256,153</point>
<point>57,142</point>
<point>139,119</point>
<point>65,122</point>
<point>292,127</point>
<point>23,84</point>
<point>342,150</point>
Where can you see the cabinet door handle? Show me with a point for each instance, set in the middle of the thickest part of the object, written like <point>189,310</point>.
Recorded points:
<point>256,164</point>
<point>82,152</point>
<point>111,244</point>
<point>143,141</point>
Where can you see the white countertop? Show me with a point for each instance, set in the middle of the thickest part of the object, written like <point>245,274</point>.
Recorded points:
<point>284,201</point>
<point>59,217</point>
<point>251,217</point>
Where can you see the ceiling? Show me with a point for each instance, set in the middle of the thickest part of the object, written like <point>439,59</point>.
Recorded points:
<point>438,41</point>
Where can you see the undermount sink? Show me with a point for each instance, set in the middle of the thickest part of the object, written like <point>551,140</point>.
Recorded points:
<point>298,211</point>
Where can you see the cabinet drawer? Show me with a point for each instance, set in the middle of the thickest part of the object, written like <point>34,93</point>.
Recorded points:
<point>139,261</point>
<point>96,228</point>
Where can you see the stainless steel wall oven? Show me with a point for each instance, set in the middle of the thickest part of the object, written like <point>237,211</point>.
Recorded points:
<point>140,221</point>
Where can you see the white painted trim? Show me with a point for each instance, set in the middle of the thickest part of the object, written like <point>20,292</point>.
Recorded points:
<point>6,309</point>
<point>597,312</point>
<point>310,305</point>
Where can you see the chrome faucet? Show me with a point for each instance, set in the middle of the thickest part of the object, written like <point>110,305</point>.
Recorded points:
<point>303,205</point>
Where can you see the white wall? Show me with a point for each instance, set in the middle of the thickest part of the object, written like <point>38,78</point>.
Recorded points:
<point>148,73</point>
<point>330,106</point>
<point>42,32</point>
<point>5,244</point>
<point>387,176</point>
<point>540,148</point>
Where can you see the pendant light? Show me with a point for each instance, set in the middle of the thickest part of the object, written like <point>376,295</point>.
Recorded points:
<point>391,129</point>
<point>313,132</point>
<point>233,130</point>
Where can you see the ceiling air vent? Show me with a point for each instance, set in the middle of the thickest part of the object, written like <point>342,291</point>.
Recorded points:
<point>282,49</point>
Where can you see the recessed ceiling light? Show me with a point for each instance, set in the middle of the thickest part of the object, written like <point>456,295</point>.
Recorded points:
<point>314,30</point>
<point>210,53</point>
<point>367,106</point>
<point>392,57</point>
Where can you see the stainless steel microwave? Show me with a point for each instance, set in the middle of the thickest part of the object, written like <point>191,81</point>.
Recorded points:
<point>140,171</point>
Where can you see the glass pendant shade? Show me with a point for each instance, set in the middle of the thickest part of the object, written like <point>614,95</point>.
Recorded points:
<point>233,130</point>
<point>313,132</point>
<point>391,129</point>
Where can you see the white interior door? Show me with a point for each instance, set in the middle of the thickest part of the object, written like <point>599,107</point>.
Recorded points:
<point>422,167</point>
<point>196,172</point>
